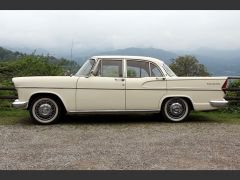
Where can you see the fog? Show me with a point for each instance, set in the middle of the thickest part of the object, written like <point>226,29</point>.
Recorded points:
<point>100,30</point>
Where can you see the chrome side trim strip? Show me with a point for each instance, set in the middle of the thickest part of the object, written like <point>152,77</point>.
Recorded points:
<point>113,111</point>
<point>152,89</point>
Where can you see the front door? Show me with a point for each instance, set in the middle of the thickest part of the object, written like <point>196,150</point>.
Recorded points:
<point>105,91</point>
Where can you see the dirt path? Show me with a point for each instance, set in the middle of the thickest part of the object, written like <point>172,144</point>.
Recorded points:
<point>120,142</point>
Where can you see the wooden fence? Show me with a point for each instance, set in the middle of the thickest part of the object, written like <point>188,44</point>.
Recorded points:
<point>9,89</point>
<point>236,98</point>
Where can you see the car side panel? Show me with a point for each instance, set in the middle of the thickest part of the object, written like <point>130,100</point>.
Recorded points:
<point>66,95</point>
<point>199,90</point>
<point>144,93</point>
<point>100,93</point>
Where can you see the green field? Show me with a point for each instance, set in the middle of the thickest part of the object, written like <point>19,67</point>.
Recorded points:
<point>14,116</point>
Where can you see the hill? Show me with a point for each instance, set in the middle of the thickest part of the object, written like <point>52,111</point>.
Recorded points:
<point>6,55</point>
<point>218,62</point>
<point>152,52</point>
<point>10,60</point>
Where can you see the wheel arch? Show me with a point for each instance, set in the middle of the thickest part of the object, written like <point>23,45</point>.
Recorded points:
<point>49,94</point>
<point>187,98</point>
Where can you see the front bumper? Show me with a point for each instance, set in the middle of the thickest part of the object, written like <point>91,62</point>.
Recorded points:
<point>219,104</point>
<point>20,104</point>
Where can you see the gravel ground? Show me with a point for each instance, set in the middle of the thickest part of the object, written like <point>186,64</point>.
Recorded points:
<point>120,142</point>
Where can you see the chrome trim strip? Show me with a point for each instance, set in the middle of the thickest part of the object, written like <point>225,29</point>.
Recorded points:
<point>44,87</point>
<point>190,89</point>
<point>149,62</point>
<point>109,59</point>
<point>156,89</point>
<point>169,79</point>
<point>114,111</point>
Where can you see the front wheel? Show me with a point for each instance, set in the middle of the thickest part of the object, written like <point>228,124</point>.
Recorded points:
<point>175,109</point>
<point>45,110</point>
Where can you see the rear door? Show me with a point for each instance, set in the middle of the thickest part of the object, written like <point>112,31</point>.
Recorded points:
<point>145,85</point>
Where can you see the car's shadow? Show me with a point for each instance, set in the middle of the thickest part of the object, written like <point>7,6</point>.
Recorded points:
<point>109,118</point>
<point>130,119</point>
<point>121,119</point>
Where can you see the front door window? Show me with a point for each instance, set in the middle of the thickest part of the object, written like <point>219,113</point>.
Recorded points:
<point>110,68</point>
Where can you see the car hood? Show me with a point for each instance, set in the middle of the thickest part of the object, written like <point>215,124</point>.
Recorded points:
<point>45,82</point>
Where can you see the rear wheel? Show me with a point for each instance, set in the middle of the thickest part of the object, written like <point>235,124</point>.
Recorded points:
<point>175,109</point>
<point>45,110</point>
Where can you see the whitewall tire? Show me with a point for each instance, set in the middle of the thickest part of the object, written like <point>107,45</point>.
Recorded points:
<point>45,110</point>
<point>175,109</point>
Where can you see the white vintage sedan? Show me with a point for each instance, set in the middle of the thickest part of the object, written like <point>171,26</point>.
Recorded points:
<point>107,84</point>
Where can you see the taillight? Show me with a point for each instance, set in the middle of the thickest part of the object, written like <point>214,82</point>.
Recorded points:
<point>224,86</point>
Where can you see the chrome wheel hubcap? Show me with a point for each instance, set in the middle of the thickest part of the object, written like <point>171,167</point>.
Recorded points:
<point>176,109</point>
<point>45,109</point>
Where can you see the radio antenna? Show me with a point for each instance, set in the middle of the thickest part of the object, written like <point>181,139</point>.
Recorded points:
<point>71,57</point>
<point>71,49</point>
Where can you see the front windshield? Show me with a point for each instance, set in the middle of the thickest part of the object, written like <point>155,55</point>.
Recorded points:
<point>168,70</point>
<point>86,68</point>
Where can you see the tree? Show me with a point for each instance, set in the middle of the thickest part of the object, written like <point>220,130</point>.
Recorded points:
<point>188,66</point>
<point>29,65</point>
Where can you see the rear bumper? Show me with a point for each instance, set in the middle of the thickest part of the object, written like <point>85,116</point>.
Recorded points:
<point>20,104</point>
<point>219,104</point>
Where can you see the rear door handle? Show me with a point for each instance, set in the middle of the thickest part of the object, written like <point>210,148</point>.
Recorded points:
<point>119,79</point>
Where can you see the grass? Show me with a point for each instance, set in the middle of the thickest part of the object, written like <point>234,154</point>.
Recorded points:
<point>215,116</point>
<point>10,116</point>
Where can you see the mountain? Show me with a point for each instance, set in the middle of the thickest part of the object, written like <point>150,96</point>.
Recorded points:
<point>9,55</point>
<point>152,52</point>
<point>218,53</point>
<point>220,66</point>
<point>6,54</point>
<point>37,51</point>
<point>218,62</point>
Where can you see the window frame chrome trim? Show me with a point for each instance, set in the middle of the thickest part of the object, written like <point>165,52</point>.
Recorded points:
<point>163,75</point>
<point>99,60</point>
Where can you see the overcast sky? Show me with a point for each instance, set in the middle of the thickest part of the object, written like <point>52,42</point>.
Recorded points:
<point>169,30</point>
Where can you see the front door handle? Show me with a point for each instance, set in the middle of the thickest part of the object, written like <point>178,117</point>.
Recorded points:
<point>160,78</point>
<point>119,79</point>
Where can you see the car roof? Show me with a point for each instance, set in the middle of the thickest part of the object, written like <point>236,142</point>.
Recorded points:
<point>128,57</point>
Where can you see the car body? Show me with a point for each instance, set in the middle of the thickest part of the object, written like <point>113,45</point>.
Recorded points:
<point>106,84</point>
